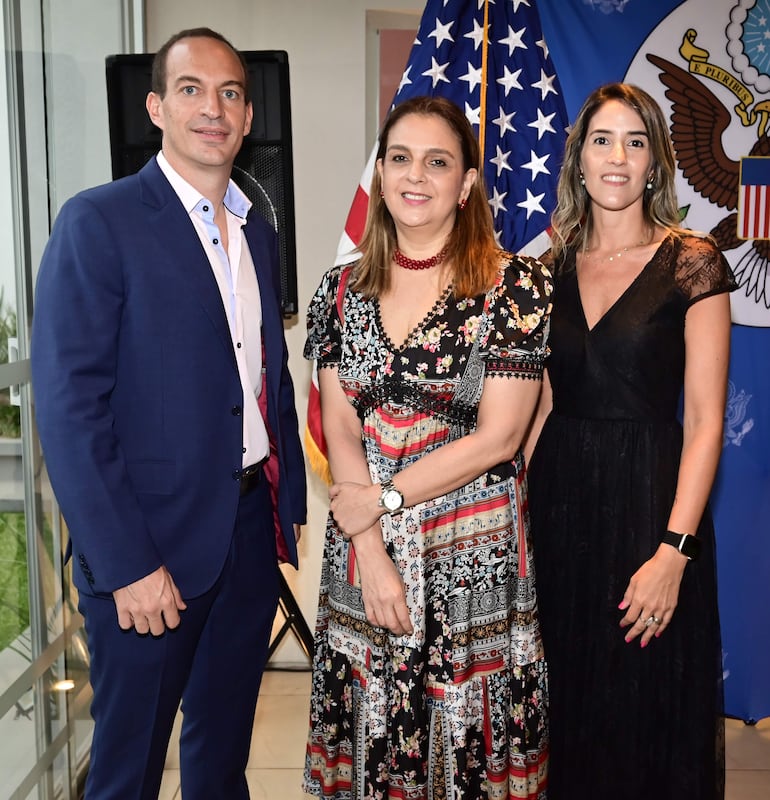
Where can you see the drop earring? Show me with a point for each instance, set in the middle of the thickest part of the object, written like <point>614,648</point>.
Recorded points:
<point>649,183</point>
<point>461,205</point>
<point>582,180</point>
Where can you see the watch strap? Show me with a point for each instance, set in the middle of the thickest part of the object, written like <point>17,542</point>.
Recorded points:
<point>387,486</point>
<point>687,544</point>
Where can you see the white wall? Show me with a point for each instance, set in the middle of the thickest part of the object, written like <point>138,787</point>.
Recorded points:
<point>326,43</point>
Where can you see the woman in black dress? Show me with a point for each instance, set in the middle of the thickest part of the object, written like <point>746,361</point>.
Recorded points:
<point>624,541</point>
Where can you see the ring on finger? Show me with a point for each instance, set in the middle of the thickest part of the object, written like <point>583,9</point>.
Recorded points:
<point>652,620</point>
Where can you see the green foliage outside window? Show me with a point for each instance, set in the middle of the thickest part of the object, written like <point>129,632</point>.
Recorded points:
<point>10,424</point>
<point>14,592</point>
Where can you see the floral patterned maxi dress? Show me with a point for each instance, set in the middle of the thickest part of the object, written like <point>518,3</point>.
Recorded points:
<point>457,709</point>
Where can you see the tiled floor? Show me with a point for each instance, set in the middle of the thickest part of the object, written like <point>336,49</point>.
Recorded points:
<point>278,747</point>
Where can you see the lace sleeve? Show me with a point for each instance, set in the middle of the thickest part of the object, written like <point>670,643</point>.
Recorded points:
<point>518,309</point>
<point>702,270</point>
<point>324,327</point>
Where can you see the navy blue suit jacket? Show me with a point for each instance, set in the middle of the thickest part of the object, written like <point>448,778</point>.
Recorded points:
<point>137,394</point>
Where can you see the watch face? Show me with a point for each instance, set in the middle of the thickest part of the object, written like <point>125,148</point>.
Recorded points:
<point>392,500</point>
<point>690,547</point>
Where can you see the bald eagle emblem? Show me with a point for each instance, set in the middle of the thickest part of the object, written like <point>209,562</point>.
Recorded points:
<point>698,124</point>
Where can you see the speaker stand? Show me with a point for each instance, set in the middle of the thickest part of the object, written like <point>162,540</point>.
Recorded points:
<point>293,621</point>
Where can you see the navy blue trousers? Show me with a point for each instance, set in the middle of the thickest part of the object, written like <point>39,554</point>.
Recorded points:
<point>213,663</point>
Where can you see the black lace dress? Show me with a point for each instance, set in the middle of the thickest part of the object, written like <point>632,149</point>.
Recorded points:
<point>625,722</point>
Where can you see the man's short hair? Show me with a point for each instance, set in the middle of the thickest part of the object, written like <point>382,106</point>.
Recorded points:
<point>159,77</point>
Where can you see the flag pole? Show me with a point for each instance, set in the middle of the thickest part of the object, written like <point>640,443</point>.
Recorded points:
<point>483,87</point>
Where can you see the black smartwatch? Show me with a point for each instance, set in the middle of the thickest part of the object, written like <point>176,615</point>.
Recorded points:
<point>391,499</point>
<point>687,544</point>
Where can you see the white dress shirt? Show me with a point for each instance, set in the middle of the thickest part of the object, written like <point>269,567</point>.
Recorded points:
<point>236,278</point>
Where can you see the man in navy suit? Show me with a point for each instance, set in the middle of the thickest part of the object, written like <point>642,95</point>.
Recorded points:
<point>166,415</point>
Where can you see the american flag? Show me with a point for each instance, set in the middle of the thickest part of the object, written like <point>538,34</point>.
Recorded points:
<point>491,59</point>
<point>754,198</point>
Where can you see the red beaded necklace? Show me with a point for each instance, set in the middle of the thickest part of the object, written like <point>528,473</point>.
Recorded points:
<point>413,263</point>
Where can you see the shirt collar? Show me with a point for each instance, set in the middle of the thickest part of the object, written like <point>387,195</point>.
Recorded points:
<point>235,201</point>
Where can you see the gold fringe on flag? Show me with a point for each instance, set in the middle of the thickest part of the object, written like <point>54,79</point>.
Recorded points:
<point>317,460</point>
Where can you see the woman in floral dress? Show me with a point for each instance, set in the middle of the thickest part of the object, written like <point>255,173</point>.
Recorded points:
<point>428,679</point>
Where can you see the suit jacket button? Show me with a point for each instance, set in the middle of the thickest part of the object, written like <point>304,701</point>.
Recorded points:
<point>236,411</point>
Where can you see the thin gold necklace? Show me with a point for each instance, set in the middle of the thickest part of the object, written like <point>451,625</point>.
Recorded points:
<point>590,251</point>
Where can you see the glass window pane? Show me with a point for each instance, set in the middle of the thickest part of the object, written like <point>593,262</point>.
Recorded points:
<point>54,140</point>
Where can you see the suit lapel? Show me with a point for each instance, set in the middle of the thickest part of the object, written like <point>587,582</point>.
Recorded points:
<point>272,322</point>
<point>184,256</point>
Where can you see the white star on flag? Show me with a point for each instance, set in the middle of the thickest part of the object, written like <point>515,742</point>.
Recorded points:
<point>543,124</point>
<point>503,122</point>
<point>441,33</point>
<point>473,114</point>
<point>532,203</point>
<point>536,164</point>
<point>436,72</point>
<point>472,76</point>
<point>404,79</point>
<point>545,84</point>
<point>477,34</point>
<point>496,201</point>
<point>510,80</point>
<point>500,160</point>
<point>513,39</point>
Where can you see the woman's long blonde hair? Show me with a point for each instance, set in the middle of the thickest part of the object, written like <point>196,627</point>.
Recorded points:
<point>572,222</point>
<point>471,246</point>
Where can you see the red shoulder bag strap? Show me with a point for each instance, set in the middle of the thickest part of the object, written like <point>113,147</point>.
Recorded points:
<point>344,275</point>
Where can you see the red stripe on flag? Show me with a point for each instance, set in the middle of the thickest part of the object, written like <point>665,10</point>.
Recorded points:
<point>354,226</point>
<point>315,444</point>
<point>754,219</point>
<point>314,419</point>
<point>744,212</point>
<point>755,215</point>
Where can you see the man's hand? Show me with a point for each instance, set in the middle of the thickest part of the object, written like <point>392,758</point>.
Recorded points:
<point>149,605</point>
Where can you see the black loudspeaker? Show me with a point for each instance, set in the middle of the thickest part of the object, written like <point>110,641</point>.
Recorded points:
<point>263,168</point>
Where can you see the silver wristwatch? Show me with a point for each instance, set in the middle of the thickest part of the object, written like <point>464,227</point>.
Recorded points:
<point>390,498</point>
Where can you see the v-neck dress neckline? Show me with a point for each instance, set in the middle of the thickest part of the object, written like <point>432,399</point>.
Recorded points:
<point>435,309</point>
<point>622,296</point>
